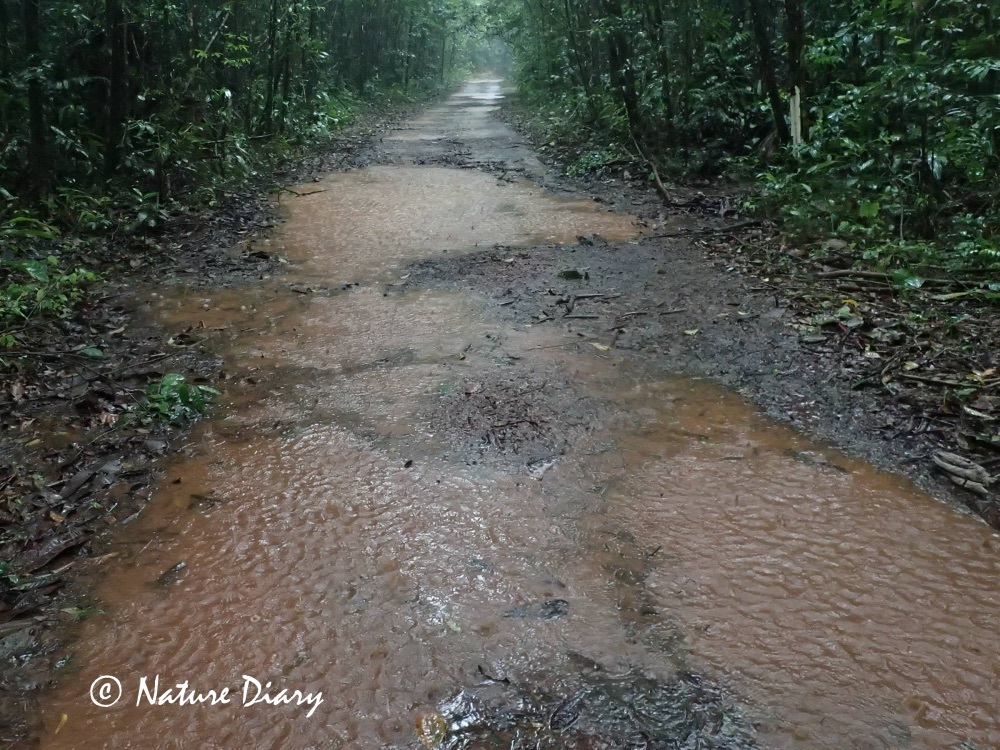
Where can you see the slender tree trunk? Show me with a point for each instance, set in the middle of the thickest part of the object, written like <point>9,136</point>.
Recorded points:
<point>444,49</point>
<point>309,66</point>
<point>620,69</point>
<point>117,87</point>
<point>663,60</point>
<point>194,28</point>
<point>407,56</point>
<point>5,35</point>
<point>796,36</point>
<point>37,151</point>
<point>767,75</point>
<point>272,62</point>
<point>582,70</point>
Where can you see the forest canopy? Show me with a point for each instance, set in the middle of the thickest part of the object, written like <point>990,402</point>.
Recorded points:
<point>154,93</point>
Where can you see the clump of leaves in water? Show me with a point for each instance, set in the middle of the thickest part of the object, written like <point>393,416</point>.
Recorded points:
<point>593,710</point>
<point>173,399</point>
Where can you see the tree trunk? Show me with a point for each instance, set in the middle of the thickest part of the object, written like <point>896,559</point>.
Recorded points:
<point>117,87</point>
<point>620,69</point>
<point>583,72</point>
<point>5,33</point>
<point>272,61</point>
<point>796,36</point>
<point>444,48</point>
<point>767,76</point>
<point>663,62</point>
<point>37,151</point>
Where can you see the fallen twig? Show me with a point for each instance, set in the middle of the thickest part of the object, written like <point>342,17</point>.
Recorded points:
<point>929,381</point>
<point>696,232</point>
<point>660,187</point>
<point>879,276</point>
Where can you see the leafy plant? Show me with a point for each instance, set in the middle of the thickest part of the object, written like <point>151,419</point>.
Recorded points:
<point>594,160</point>
<point>173,399</point>
<point>39,288</point>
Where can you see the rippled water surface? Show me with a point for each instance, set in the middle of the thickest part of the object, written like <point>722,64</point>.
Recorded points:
<point>335,540</point>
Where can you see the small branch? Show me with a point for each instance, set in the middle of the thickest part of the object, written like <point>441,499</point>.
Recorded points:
<point>303,195</point>
<point>930,381</point>
<point>878,276</point>
<point>721,230</point>
<point>660,187</point>
<point>46,355</point>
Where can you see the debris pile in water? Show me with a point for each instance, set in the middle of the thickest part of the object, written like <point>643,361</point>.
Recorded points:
<point>604,712</point>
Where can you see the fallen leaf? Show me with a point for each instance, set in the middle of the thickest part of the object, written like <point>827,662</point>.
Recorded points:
<point>431,729</point>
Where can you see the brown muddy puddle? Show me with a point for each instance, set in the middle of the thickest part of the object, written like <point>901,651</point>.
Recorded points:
<point>333,542</point>
<point>371,221</point>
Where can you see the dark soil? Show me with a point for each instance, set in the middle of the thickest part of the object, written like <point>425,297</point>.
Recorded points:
<point>520,416</point>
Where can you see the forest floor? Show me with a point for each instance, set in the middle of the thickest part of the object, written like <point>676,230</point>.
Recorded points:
<point>705,291</point>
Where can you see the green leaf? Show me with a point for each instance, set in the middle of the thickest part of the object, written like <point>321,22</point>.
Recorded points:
<point>171,381</point>
<point>36,269</point>
<point>869,209</point>
<point>91,351</point>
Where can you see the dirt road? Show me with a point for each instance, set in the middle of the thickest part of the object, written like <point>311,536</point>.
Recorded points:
<point>458,472</point>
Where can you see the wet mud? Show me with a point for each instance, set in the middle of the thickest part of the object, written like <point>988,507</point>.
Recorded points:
<point>449,490</point>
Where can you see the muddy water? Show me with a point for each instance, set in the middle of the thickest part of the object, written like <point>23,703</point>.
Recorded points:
<point>369,222</point>
<point>337,539</point>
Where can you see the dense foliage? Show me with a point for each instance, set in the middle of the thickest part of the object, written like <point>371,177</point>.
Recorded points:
<point>150,97</point>
<point>897,146</point>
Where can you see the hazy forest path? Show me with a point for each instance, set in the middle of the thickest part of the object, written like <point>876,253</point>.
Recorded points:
<point>447,454</point>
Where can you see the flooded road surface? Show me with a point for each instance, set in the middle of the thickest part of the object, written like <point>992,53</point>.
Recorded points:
<point>406,496</point>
